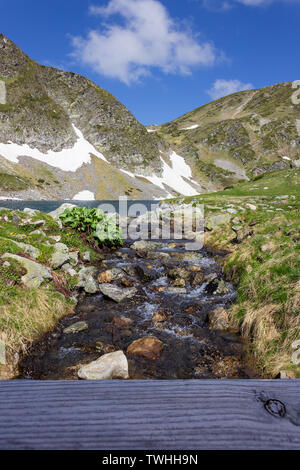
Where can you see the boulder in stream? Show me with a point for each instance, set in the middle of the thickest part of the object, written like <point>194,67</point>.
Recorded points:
<point>117,293</point>
<point>76,327</point>
<point>109,366</point>
<point>148,347</point>
<point>218,319</point>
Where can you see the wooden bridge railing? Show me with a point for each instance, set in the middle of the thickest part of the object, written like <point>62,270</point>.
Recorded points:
<point>196,414</point>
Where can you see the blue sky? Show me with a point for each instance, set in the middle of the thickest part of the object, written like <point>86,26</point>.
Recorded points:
<point>162,58</point>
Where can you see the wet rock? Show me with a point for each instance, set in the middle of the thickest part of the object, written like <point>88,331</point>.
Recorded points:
<point>144,245</point>
<point>218,319</point>
<point>177,290</point>
<point>55,214</point>
<point>178,282</point>
<point>60,256</point>
<point>104,348</point>
<point>109,366</point>
<point>130,270</point>
<point>36,273</point>
<point>86,256</point>
<point>110,275</point>
<point>147,273</point>
<point>156,255</point>
<point>216,287</point>
<point>176,273</point>
<point>198,279</point>
<point>187,256</point>
<point>87,281</point>
<point>117,293</point>
<point>2,353</point>
<point>122,322</point>
<point>287,374</point>
<point>227,367</point>
<point>76,327</point>
<point>215,220</point>
<point>148,347</point>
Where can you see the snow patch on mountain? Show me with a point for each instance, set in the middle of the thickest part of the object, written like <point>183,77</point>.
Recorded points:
<point>174,176</point>
<point>66,159</point>
<point>84,196</point>
<point>194,126</point>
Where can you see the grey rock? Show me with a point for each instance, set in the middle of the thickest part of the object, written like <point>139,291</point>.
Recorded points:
<point>29,211</point>
<point>144,245</point>
<point>177,290</point>
<point>55,214</point>
<point>28,249</point>
<point>36,273</point>
<point>74,258</point>
<point>117,293</point>
<point>76,327</point>
<point>109,366</point>
<point>2,353</point>
<point>60,256</point>
<point>218,319</point>
<point>87,281</point>
<point>86,256</point>
<point>216,220</point>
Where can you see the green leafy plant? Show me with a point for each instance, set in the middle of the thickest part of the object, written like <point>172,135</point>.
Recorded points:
<point>94,223</point>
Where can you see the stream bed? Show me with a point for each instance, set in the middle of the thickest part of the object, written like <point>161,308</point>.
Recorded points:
<point>176,292</point>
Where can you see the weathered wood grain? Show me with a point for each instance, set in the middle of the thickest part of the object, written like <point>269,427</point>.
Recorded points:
<point>196,414</point>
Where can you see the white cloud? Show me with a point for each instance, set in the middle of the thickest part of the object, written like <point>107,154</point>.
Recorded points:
<point>140,35</point>
<point>222,5</point>
<point>223,87</point>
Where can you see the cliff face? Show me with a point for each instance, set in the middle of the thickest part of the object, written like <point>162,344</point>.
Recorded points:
<point>42,109</point>
<point>246,133</point>
<point>62,136</point>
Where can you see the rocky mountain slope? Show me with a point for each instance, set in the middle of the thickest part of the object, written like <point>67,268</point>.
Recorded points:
<point>238,136</point>
<point>63,137</point>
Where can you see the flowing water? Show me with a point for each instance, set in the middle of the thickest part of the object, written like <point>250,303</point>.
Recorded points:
<point>180,320</point>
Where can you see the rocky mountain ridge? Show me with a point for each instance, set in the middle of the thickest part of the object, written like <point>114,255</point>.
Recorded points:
<point>64,137</point>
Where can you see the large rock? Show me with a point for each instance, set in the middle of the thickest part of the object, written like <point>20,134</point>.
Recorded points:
<point>296,357</point>
<point>117,293</point>
<point>87,281</point>
<point>110,366</point>
<point>215,220</point>
<point>36,273</point>
<point>2,353</point>
<point>55,214</point>
<point>60,256</point>
<point>144,245</point>
<point>218,319</point>
<point>148,347</point>
<point>110,275</point>
<point>26,248</point>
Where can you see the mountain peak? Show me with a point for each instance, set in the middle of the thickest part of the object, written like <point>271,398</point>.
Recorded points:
<point>12,58</point>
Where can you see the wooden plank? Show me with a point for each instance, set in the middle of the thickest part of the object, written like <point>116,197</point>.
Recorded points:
<point>196,414</point>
